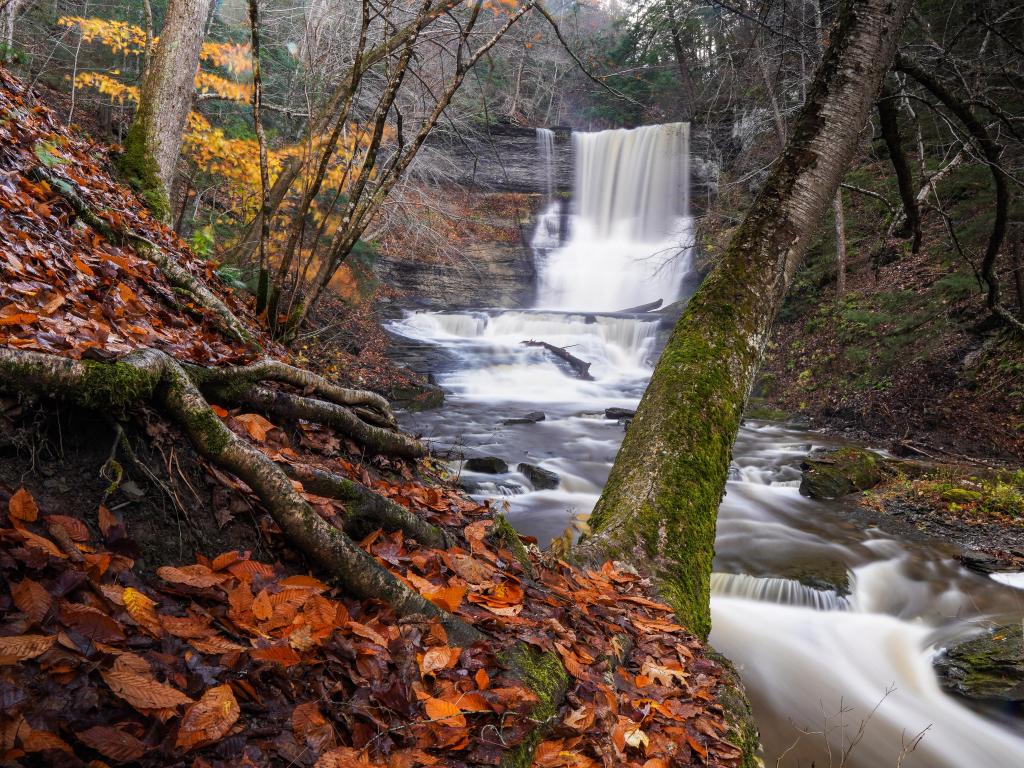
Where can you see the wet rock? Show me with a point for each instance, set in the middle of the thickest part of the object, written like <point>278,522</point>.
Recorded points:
<point>417,397</point>
<point>987,668</point>
<point>985,562</point>
<point>488,465</point>
<point>541,479</point>
<point>619,413</point>
<point>530,418</point>
<point>835,474</point>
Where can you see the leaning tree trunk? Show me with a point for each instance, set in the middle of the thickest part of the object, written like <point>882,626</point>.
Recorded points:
<point>154,140</point>
<point>660,505</point>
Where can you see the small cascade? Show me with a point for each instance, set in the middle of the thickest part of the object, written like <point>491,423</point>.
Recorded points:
<point>546,151</point>
<point>775,590</point>
<point>630,232</point>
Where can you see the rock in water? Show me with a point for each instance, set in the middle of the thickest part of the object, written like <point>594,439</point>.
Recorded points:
<point>541,479</point>
<point>488,465</point>
<point>987,668</point>
<point>619,413</point>
<point>835,474</point>
<point>530,418</point>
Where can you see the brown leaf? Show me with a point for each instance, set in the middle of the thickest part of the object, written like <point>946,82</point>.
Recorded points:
<point>22,506</point>
<point>17,648</point>
<point>209,719</point>
<point>113,743</point>
<point>342,757</point>
<point>142,691</point>
<point>107,521</point>
<point>32,599</point>
<point>91,623</point>
<point>75,528</point>
<point>312,728</point>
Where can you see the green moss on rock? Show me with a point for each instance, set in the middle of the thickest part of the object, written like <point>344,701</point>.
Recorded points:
<point>545,676</point>
<point>114,386</point>
<point>987,668</point>
<point>836,474</point>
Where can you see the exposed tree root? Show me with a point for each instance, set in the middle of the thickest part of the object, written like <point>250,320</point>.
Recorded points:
<point>275,370</point>
<point>377,439</point>
<point>151,375</point>
<point>366,510</point>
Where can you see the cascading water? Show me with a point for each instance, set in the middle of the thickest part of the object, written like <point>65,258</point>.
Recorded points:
<point>546,151</point>
<point>820,615</point>
<point>629,232</point>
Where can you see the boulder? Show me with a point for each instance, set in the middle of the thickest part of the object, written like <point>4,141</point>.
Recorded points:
<point>487,465</point>
<point>835,474</point>
<point>619,413</point>
<point>530,418</point>
<point>986,668</point>
<point>416,397</point>
<point>541,479</point>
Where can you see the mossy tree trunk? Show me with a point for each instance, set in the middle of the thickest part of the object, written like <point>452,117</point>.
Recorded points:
<point>153,142</point>
<point>659,508</point>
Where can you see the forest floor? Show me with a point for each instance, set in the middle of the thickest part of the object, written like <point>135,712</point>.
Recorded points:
<point>153,613</point>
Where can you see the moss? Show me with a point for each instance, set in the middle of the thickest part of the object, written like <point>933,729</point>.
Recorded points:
<point>840,472</point>
<point>504,532</point>
<point>207,431</point>
<point>543,674</point>
<point>113,386</point>
<point>140,169</point>
<point>739,718</point>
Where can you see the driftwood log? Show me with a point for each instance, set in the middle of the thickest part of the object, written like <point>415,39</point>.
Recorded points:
<point>580,368</point>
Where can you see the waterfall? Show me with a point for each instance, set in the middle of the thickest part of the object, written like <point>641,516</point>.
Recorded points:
<point>774,590</point>
<point>546,150</point>
<point>630,234</point>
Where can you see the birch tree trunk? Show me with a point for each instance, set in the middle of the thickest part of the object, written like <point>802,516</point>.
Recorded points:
<point>840,217</point>
<point>659,508</point>
<point>153,142</point>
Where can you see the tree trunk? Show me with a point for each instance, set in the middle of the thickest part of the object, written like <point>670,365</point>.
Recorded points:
<point>837,208</point>
<point>887,117</point>
<point>659,507</point>
<point>153,142</point>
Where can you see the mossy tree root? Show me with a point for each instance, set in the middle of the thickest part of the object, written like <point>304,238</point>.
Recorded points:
<point>274,370</point>
<point>154,376</point>
<point>377,439</point>
<point>176,275</point>
<point>365,510</point>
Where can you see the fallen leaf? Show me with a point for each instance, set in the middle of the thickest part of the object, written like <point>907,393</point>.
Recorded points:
<point>142,691</point>
<point>22,506</point>
<point>209,719</point>
<point>15,648</point>
<point>113,743</point>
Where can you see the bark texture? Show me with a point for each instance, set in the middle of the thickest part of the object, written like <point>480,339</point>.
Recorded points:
<point>154,140</point>
<point>660,505</point>
<point>888,119</point>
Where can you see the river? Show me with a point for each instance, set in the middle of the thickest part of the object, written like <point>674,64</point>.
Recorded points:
<point>818,661</point>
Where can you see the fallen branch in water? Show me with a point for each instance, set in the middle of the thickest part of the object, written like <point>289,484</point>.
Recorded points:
<point>580,368</point>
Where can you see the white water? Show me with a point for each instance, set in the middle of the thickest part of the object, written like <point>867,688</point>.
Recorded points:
<point>629,226</point>
<point>805,653</point>
<point>546,151</point>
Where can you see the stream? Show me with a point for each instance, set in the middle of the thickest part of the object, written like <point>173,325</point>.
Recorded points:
<point>831,622</point>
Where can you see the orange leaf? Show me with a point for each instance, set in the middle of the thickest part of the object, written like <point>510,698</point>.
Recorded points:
<point>255,425</point>
<point>142,610</point>
<point>209,719</point>
<point>449,598</point>
<point>436,659</point>
<point>482,679</point>
<point>107,521</point>
<point>279,654</point>
<point>82,266</point>
<point>192,575</point>
<point>446,712</point>
<point>15,648</point>
<point>22,506</point>
<point>342,757</point>
<point>221,412</point>
<point>261,606</point>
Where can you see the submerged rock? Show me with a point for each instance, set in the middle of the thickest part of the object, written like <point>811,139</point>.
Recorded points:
<point>835,474</point>
<point>530,418</point>
<point>987,668</point>
<point>488,465</point>
<point>541,479</point>
<point>619,413</point>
